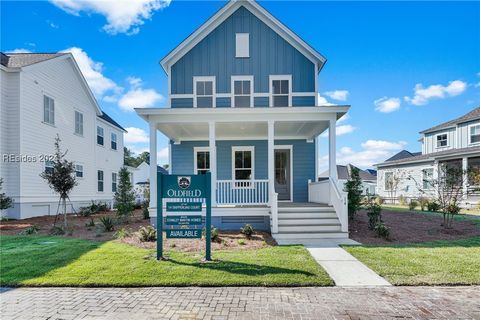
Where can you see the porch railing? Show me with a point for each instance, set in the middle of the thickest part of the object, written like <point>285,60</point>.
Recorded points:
<point>242,192</point>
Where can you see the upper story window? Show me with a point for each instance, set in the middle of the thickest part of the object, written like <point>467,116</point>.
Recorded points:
<point>242,45</point>
<point>100,135</point>
<point>78,123</point>
<point>113,143</point>
<point>48,110</point>
<point>204,92</point>
<point>49,167</point>
<point>202,160</point>
<point>475,133</point>
<point>79,170</point>
<point>280,91</point>
<point>442,140</point>
<point>243,168</point>
<point>242,87</point>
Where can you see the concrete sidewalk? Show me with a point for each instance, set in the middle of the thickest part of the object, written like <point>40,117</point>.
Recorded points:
<point>342,267</point>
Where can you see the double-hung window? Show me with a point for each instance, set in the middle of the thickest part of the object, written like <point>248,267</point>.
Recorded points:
<point>242,87</point>
<point>49,167</point>
<point>442,140</point>
<point>427,178</point>
<point>100,180</point>
<point>280,90</point>
<point>113,141</point>
<point>475,133</point>
<point>100,135</point>
<point>204,92</point>
<point>114,182</point>
<point>79,170</point>
<point>48,110</point>
<point>243,166</point>
<point>79,123</point>
<point>202,160</point>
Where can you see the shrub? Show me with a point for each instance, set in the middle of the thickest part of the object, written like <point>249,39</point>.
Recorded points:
<point>30,230</point>
<point>353,187</point>
<point>147,234</point>
<point>93,208</point>
<point>242,242</point>
<point>214,235</point>
<point>402,200</point>
<point>379,200</point>
<point>412,205</point>
<point>145,212</point>
<point>374,213</point>
<point>107,223</point>
<point>124,196</point>
<point>433,206</point>
<point>382,230</point>
<point>90,223</point>
<point>423,202</point>
<point>57,231</point>
<point>121,234</point>
<point>247,231</point>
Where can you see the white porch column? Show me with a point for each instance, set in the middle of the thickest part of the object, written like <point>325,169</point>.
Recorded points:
<point>465,178</point>
<point>213,160</point>
<point>332,149</point>
<point>153,169</point>
<point>271,160</point>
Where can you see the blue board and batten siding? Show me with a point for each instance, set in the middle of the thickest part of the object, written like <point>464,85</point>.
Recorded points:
<point>303,161</point>
<point>270,54</point>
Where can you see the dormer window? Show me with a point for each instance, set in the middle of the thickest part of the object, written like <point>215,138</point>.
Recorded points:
<point>475,134</point>
<point>442,140</point>
<point>204,92</point>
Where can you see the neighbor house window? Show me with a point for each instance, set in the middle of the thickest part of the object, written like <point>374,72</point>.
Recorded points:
<point>388,180</point>
<point>280,91</point>
<point>242,92</point>
<point>243,160</point>
<point>100,181</point>
<point>427,178</point>
<point>442,140</point>
<point>473,166</point>
<point>100,136</point>
<point>242,45</point>
<point>79,123</point>
<point>114,182</point>
<point>48,110</point>
<point>79,170</point>
<point>48,167</point>
<point>202,160</point>
<point>475,133</point>
<point>113,142</point>
<point>204,92</point>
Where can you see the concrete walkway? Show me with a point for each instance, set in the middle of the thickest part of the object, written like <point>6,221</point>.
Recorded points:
<point>342,267</point>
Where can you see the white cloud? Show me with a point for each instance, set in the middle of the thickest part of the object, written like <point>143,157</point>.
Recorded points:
<point>123,16</point>
<point>139,98</point>
<point>52,24</point>
<point>92,71</point>
<point>162,156</point>
<point>323,101</point>
<point>387,105</point>
<point>437,91</point>
<point>340,95</point>
<point>340,130</point>
<point>136,135</point>
<point>20,50</point>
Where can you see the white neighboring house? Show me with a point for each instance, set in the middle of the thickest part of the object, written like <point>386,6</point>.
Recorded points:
<point>456,142</point>
<point>369,178</point>
<point>140,178</point>
<point>43,95</point>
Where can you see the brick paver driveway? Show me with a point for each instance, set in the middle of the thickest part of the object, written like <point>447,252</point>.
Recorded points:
<point>241,303</point>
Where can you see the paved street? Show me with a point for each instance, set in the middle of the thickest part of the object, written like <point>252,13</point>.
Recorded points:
<point>241,303</point>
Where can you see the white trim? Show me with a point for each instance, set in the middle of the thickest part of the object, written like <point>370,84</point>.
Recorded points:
<point>303,94</point>
<point>270,86</point>
<point>195,151</point>
<point>169,157</point>
<point>204,78</point>
<point>224,95</point>
<point>181,96</point>
<point>243,148</point>
<point>287,147</point>
<point>436,141</point>
<point>232,88</point>
<point>470,143</point>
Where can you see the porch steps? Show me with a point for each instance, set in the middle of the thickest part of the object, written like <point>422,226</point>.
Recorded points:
<point>303,223</point>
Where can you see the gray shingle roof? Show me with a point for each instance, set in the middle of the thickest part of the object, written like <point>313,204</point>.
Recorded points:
<point>108,119</point>
<point>18,60</point>
<point>472,115</point>
<point>404,154</point>
<point>343,173</point>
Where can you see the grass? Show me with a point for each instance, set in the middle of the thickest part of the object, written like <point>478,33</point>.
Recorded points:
<point>59,261</point>
<point>433,263</point>
<point>473,217</point>
<point>474,213</point>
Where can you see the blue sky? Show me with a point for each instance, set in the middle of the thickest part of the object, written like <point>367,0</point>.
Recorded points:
<point>402,66</point>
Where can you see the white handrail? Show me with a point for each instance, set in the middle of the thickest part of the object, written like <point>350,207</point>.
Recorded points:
<point>340,203</point>
<point>241,192</point>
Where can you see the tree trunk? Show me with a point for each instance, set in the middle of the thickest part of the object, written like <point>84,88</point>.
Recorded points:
<point>65,213</point>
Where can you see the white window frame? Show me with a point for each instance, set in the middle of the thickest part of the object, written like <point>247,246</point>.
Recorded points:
<point>51,113</point>
<point>243,148</point>
<point>83,171</point>
<point>103,181</point>
<point>114,181</point>
<point>232,89</point>
<point>280,77</point>
<point>214,89</point>
<point>430,181</point>
<point>97,135</point>
<point>242,45</point>
<point>470,133</point>
<point>436,140</point>
<point>80,123</point>
<point>195,151</point>
<point>113,134</point>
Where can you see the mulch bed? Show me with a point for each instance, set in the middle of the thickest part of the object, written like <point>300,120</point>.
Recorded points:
<point>410,227</point>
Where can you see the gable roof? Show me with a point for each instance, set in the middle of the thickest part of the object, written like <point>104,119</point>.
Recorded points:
<point>404,154</point>
<point>227,10</point>
<point>470,116</point>
<point>19,60</point>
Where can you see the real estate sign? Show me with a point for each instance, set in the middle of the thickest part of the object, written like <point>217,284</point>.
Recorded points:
<point>183,196</point>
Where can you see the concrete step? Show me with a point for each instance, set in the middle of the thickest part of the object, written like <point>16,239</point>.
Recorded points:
<point>311,228</point>
<point>307,215</point>
<point>307,222</point>
<point>306,209</point>
<point>305,236</point>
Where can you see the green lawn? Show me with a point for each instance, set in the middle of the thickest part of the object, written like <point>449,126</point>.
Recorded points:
<point>433,263</point>
<point>59,261</point>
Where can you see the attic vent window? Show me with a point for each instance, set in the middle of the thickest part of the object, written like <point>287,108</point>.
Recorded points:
<point>242,45</point>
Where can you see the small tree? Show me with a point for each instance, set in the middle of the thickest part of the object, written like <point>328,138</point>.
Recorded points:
<point>354,188</point>
<point>62,178</point>
<point>5,202</point>
<point>392,183</point>
<point>124,196</point>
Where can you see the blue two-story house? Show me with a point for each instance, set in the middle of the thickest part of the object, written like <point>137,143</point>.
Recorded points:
<point>243,105</point>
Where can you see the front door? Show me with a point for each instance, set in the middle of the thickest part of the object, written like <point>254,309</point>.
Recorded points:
<point>282,173</point>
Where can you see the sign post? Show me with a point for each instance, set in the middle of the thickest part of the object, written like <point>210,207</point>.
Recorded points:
<point>186,194</point>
